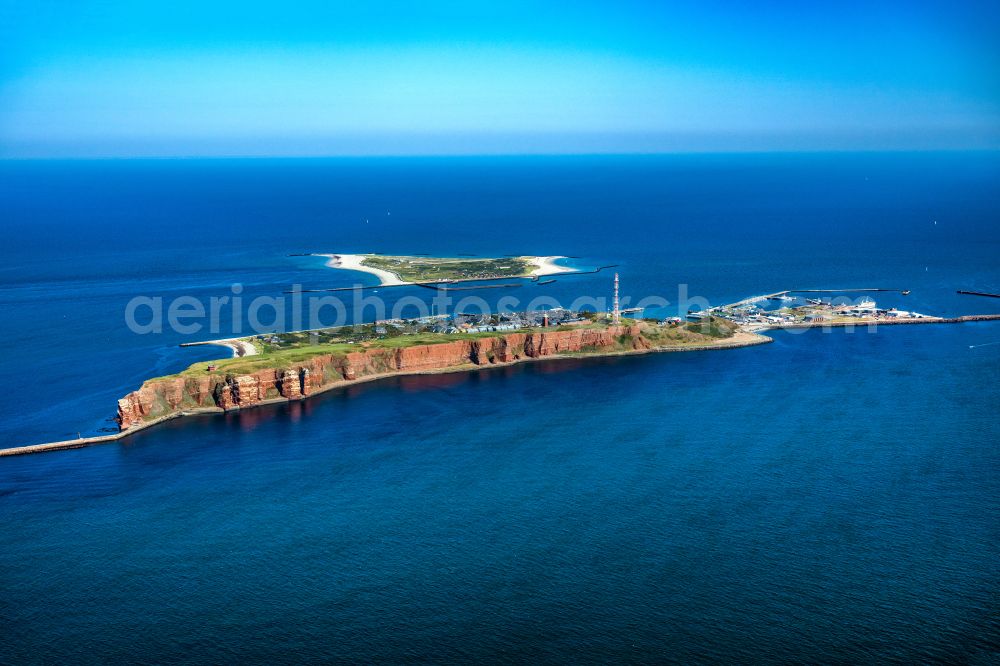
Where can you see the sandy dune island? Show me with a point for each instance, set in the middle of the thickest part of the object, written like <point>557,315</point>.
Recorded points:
<point>353,262</point>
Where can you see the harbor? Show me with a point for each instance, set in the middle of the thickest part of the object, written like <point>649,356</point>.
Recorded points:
<point>834,309</point>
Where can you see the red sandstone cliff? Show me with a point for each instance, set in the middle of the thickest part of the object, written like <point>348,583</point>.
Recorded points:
<point>162,397</point>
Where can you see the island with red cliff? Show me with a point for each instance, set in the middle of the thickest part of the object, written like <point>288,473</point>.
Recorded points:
<point>295,372</point>
<point>282,367</point>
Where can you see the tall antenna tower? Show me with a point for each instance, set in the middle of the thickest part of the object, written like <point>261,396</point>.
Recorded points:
<point>616,316</point>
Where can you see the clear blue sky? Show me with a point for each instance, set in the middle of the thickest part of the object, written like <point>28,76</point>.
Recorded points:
<point>134,78</point>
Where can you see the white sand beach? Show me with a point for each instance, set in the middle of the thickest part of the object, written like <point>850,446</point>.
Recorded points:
<point>240,348</point>
<point>548,266</point>
<point>352,262</point>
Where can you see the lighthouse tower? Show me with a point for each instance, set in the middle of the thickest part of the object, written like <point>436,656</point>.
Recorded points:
<point>616,316</point>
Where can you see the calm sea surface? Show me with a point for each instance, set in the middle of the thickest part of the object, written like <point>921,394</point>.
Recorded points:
<point>833,496</point>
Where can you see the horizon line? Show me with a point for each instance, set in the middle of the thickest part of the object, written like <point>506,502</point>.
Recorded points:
<point>359,156</point>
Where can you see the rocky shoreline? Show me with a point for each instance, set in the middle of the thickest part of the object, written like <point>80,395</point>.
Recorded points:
<point>174,397</point>
<point>168,398</point>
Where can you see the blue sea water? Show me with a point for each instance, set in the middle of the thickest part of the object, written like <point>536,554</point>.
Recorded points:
<point>833,496</point>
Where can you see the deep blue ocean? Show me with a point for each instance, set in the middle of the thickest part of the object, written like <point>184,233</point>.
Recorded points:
<point>830,497</point>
